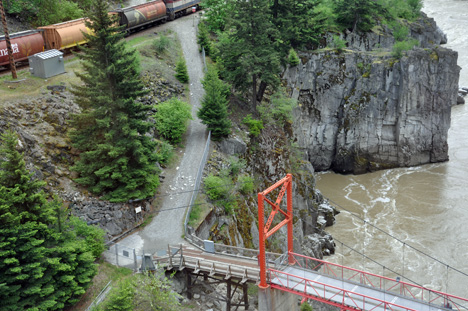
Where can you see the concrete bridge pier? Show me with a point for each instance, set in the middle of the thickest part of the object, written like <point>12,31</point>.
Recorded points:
<point>270,299</point>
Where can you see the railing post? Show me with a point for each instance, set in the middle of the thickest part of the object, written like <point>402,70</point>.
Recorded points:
<point>290,213</point>
<point>116,255</point>
<point>261,229</point>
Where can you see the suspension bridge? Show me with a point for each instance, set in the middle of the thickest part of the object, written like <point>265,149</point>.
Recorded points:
<point>283,277</point>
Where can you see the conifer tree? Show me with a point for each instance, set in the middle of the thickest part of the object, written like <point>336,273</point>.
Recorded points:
<point>41,266</point>
<point>117,158</point>
<point>293,58</point>
<point>213,111</point>
<point>358,14</point>
<point>248,52</point>
<point>181,70</point>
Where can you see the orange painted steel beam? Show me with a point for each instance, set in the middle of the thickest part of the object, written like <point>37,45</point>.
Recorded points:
<point>264,229</point>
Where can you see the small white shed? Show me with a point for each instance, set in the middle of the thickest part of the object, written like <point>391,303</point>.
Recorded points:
<point>46,64</point>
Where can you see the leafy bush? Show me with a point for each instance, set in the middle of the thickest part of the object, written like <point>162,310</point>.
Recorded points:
<point>216,187</point>
<point>246,184</point>
<point>279,110</point>
<point>306,307</point>
<point>293,58</point>
<point>230,205</point>
<point>255,126</point>
<point>92,235</point>
<point>161,44</point>
<point>236,165</point>
<point>400,32</point>
<point>338,43</point>
<point>171,119</point>
<point>164,152</point>
<point>181,71</point>
<point>402,46</point>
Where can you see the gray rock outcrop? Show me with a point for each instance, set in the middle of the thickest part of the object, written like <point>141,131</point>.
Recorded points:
<point>361,111</point>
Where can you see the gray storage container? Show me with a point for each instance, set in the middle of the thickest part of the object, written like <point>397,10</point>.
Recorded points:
<point>46,64</point>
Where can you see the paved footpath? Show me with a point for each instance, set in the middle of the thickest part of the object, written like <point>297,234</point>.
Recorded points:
<point>167,226</point>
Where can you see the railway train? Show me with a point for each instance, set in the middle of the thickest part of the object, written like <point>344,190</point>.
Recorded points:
<point>69,34</point>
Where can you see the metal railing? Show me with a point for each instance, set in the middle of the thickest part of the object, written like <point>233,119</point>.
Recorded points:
<point>197,181</point>
<point>390,285</point>
<point>234,251</point>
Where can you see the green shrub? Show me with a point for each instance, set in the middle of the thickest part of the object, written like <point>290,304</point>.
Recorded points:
<point>293,58</point>
<point>92,235</point>
<point>171,119</point>
<point>181,71</point>
<point>246,184</point>
<point>161,44</point>
<point>402,46</point>
<point>400,32</point>
<point>306,307</point>
<point>216,187</point>
<point>338,43</point>
<point>236,165</point>
<point>230,205</point>
<point>164,152</point>
<point>255,126</point>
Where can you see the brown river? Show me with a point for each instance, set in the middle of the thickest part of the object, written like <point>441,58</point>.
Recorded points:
<point>396,217</point>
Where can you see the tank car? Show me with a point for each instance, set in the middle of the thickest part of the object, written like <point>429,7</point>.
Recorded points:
<point>64,35</point>
<point>141,15</point>
<point>23,43</point>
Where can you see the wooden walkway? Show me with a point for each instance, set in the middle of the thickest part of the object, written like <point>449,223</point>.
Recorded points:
<point>214,264</point>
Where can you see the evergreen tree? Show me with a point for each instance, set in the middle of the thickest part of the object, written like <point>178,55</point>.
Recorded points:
<point>358,14</point>
<point>299,22</point>
<point>247,48</point>
<point>213,111</point>
<point>117,158</point>
<point>181,70</point>
<point>203,38</point>
<point>293,58</point>
<point>44,265</point>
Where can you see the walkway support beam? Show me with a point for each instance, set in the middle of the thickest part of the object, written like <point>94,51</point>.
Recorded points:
<point>264,229</point>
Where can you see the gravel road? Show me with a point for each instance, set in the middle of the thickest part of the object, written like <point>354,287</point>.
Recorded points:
<point>167,226</point>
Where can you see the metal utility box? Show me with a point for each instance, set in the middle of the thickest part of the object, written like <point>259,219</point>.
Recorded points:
<point>46,64</point>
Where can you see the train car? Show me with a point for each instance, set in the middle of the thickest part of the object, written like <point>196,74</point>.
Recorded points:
<point>24,44</point>
<point>65,35</point>
<point>142,15</point>
<point>177,8</point>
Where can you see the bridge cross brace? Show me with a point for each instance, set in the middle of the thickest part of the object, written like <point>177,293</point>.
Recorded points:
<point>191,281</point>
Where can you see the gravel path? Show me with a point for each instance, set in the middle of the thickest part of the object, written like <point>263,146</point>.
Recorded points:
<point>167,226</point>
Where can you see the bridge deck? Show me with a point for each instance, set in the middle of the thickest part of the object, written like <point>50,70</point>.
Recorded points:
<point>223,265</point>
<point>353,294</point>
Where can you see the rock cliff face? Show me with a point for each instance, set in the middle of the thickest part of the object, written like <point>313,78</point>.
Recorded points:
<point>363,110</point>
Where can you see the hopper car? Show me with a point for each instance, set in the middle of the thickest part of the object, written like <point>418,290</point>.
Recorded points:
<point>69,34</point>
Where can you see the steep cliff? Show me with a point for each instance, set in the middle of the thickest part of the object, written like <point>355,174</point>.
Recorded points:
<point>362,109</point>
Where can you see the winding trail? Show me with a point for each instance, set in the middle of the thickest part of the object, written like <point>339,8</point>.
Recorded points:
<point>167,226</point>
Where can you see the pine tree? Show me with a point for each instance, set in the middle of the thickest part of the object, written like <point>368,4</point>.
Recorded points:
<point>117,158</point>
<point>213,111</point>
<point>298,22</point>
<point>249,55</point>
<point>293,59</point>
<point>181,70</point>
<point>43,265</point>
<point>358,14</point>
